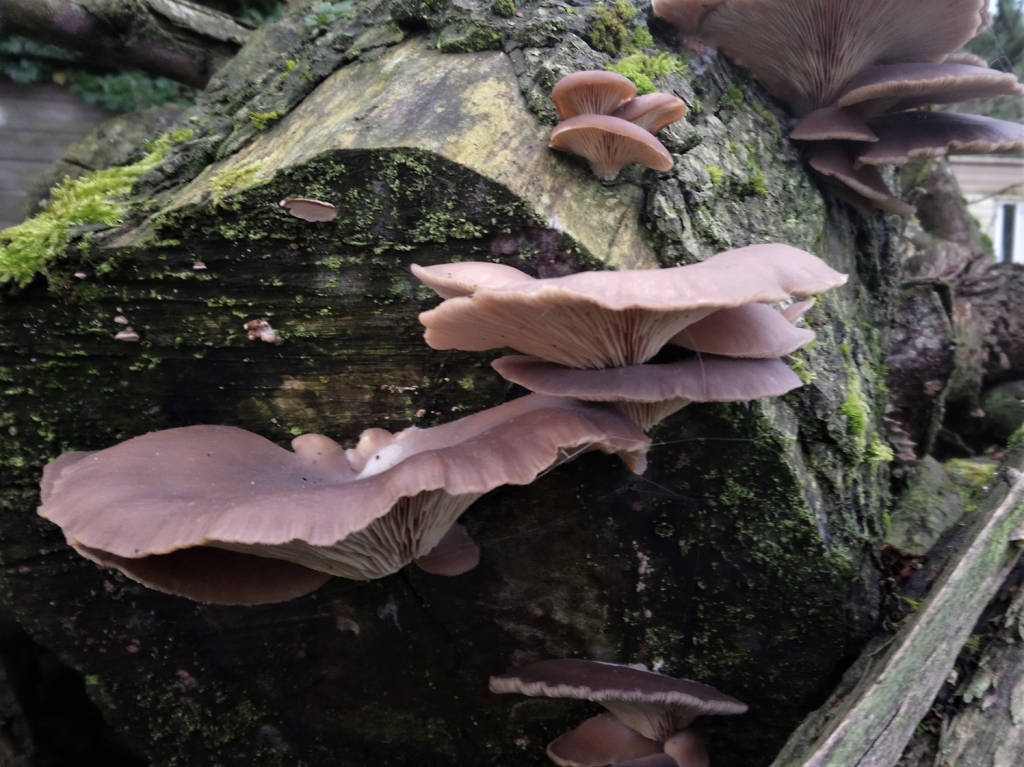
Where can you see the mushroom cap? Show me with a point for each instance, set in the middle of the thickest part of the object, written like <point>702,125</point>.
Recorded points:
<point>599,741</point>
<point>797,309</point>
<point>610,319</point>
<point>591,92</point>
<point>455,554</point>
<point>752,330</point>
<point>609,143</point>
<point>830,123</point>
<point>897,87</point>
<point>391,502</point>
<point>687,749</point>
<point>654,760</point>
<point>902,137</point>
<point>650,393</point>
<point>654,705</point>
<point>965,57</point>
<point>462,278</point>
<point>685,15</point>
<point>803,52</point>
<point>652,111</point>
<point>865,184</point>
<point>309,209</point>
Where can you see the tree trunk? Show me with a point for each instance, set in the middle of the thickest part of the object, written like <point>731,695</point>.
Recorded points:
<point>740,557</point>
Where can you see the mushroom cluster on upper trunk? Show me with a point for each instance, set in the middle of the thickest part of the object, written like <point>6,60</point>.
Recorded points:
<point>649,724</point>
<point>219,514</point>
<point>858,74</point>
<point>605,122</point>
<point>591,335</point>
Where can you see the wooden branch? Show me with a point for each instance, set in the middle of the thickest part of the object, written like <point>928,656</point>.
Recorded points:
<point>170,38</point>
<point>869,720</point>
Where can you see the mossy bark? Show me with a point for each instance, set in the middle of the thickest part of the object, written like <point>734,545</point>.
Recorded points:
<point>739,559</point>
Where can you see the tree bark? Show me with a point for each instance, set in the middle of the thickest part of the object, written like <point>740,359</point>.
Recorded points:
<point>166,38</point>
<point>739,559</point>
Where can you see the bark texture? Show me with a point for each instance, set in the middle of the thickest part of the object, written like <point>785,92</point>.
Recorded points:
<point>739,559</point>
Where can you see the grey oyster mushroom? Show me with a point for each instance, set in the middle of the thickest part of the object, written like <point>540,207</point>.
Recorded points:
<point>218,514</point>
<point>657,708</point>
<point>609,144</point>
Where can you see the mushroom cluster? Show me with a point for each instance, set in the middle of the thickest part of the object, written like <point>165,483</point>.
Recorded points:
<point>649,723</point>
<point>604,121</point>
<point>859,75</point>
<point>218,514</point>
<point>591,335</point>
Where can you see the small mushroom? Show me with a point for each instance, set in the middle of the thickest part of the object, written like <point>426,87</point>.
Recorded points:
<point>648,394</point>
<point>652,111</point>
<point>126,335</point>
<point>609,144</point>
<point>831,123</point>
<point>462,278</point>
<point>309,209</point>
<point>862,187</point>
<point>591,92</point>
<point>599,741</point>
<point>164,506</point>
<point>609,319</point>
<point>652,704</point>
<point>260,330</point>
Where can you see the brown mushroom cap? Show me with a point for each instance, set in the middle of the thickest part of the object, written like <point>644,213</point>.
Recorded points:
<point>462,278</point>
<point>685,15</point>
<point>832,160</point>
<point>832,123</point>
<point>687,749</point>
<point>753,330</point>
<point>609,143</point>
<point>803,52</point>
<point>652,111</point>
<point>455,554</point>
<point>599,741</point>
<point>610,319</point>
<point>654,760</point>
<point>309,209</point>
<point>897,87</point>
<point>902,137</point>
<point>591,92</point>
<point>654,705</point>
<point>391,503</point>
<point>650,393</point>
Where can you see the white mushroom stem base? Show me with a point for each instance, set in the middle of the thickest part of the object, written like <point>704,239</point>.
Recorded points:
<point>647,415</point>
<point>412,529</point>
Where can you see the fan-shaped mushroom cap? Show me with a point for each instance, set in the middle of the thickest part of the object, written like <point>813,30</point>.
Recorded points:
<point>965,57</point>
<point>896,87</point>
<point>462,278</point>
<point>752,330</point>
<point>686,747</point>
<point>797,309</point>
<point>803,52</point>
<point>654,760</point>
<point>223,487</point>
<point>685,15</point>
<point>309,209</point>
<point>866,188</point>
<point>652,111</point>
<point>609,144</point>
<point>650,393</point>
<point>902,137</point>
<point>610,319</point>
<point>830,123</point>
<point>591,92</point>
<point>654,705</point>
<point>455,554</point>
<point>599,741</point>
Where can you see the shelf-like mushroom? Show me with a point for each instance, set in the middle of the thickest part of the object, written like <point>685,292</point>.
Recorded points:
<point>232,496</point>
<point>609,319</point>
<point>907,135</point>
<point>863,187</point>
<point>462,278</point>
<point>591,92</point>
<point>753,331</point>
<point>652,111</point>
<point>830,124</point>
<point>609,144</point>
<point>599,741</point>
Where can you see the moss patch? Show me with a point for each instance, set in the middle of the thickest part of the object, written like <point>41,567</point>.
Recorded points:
<point>611,29</point>
<point>642,69</point>
<point>233,179</point>
<point>97,198</point>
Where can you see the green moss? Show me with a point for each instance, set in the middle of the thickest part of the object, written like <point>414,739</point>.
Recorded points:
<point>504,8</point>
<point>1016,441</point>
<point>976,474</point>
<point>638,41</point>
<point>733,94</point>
<point>855,410</point>
<point>715,173</point>
<point>764,113</point>
<point>468,38</point>
<point>755,185</point>
<point>260,120</point>
<point>97,198</point>
<point>611,31</point>
<point>642,69</point>
<point>233,179</point>
<point>879,452</point>
<point>289,66</point>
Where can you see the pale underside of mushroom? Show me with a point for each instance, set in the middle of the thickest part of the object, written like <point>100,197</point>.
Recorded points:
<point>905,136</point>
<point>309,209</point>
<point>612,319</point>
<point>609,144</point>
<point>361,513</point>
<point>830,123</point>
<point>599,741</point>
<point>754,331</point>
<point>650,393</point>
<point>804,51</point>
<point>863,187</point>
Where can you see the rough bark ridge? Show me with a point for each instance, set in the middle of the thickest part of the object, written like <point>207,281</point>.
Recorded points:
<point>738,559</point>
